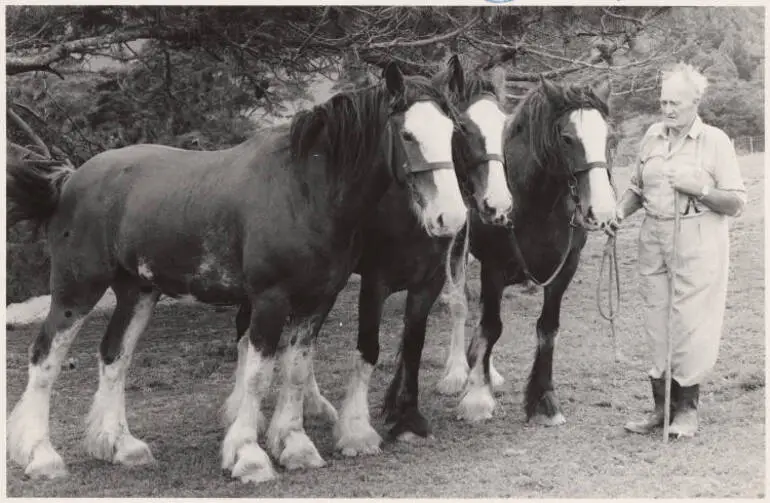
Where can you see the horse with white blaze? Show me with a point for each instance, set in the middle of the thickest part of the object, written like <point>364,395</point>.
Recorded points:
<point>274,221</point>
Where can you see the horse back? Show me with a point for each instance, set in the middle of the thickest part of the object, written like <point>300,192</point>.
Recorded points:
<point>169,215</point>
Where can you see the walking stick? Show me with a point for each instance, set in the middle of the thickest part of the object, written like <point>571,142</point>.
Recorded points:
<point>669,328</point>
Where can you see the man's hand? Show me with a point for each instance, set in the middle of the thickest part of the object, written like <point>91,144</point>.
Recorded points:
<point>612,226</point>
<point>687,180</point>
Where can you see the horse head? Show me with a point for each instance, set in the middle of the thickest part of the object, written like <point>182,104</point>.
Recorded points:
<point>418,148</point>
<point>478,140</point>
<point>568,133</point>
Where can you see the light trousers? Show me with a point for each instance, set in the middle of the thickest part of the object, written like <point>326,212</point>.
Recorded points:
<point>700,290</point>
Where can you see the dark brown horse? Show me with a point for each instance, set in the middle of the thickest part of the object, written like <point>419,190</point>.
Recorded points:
<point>556,153</point>
<point>274,221</point>
<point>397,255</point>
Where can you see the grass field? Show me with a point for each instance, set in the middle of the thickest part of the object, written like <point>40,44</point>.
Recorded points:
<point>182,373</point>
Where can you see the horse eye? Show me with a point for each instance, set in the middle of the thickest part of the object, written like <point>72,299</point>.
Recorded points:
<point>407,136</point>
<point>567,139</point>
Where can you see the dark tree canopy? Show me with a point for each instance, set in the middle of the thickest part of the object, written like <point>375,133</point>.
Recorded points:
<point>82,79</point>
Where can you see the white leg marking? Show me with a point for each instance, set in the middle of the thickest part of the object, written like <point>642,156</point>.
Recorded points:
<point>233,402</point>
<point>143,268</point>
<point>286,437</point>
<point>478,403</point>
<point>496,379</point>
<point>315,403</point>
<point>107,433</point>
<point>28,437</point>
<point>456,366</point>
<point>355,434</point>
<point>240,452</point>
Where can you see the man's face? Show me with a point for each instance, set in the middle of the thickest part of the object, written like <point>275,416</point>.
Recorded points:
<point>678,103</point>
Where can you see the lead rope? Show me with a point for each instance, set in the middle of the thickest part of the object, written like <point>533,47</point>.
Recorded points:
<point>610,266</point>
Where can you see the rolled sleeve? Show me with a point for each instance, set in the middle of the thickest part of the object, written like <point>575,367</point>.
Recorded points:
<point>635,183</point>
<point>727,171</point>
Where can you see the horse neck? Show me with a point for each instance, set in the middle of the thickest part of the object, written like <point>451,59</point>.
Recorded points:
<point>346,197</point>
<point>534,187</point>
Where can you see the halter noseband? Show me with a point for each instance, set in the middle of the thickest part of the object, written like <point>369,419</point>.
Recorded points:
<point>591,165</point>
<point>488,157</point>
<point>399,151</point>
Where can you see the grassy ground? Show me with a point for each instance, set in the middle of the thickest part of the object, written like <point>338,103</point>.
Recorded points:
<point>181,375</point>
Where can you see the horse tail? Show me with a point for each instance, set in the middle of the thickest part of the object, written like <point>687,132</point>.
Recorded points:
<point>33,190</point>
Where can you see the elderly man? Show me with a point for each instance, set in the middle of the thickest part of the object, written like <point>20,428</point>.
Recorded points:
<point>687,166</point>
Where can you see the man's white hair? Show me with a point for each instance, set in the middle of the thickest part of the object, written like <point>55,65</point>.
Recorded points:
<point>696,80</point>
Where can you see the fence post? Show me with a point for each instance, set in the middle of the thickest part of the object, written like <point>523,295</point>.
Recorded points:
<point>751,144</point>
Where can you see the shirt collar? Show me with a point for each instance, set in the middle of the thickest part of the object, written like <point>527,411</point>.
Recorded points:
<point>695,130</point>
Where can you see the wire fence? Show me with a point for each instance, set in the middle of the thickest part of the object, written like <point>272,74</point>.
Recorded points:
<point>749,144</point>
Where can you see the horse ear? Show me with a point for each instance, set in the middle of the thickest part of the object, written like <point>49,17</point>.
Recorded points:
<point>456,75</point>
<point>394,79</point>
<point>498,80</point>
<point>602,90</point>
<point>549,88</point>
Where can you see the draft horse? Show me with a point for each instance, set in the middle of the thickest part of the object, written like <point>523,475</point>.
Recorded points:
<point>397,255</point>
<point>556,153</point>
<point>274,221</point>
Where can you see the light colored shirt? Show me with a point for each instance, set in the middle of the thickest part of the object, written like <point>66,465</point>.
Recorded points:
<point>704,149</point>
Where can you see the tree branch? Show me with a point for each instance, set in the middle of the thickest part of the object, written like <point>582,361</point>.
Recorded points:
<point>33,37</point>
<point>22,124</point>
<point>15,65</point>
<point>426,41</point>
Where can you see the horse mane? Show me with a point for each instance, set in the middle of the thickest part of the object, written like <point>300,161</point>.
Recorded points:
<point>353,123</point>
<point>536,116</point>
<point>476,83</point>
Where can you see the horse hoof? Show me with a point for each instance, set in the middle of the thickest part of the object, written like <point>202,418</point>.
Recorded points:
<point>46,463</point>
<point>409,421</point>
<point>452,383</point>
<point>495,378</point>
<point>543,420</point>
<point>253,465</point>
<point>409,437</point>
<point>133,452</point>
<point>477,405</point>
<point>299,452</point>
<point>353,443</point>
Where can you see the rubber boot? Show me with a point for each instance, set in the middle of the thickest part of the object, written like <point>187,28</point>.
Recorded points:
<point>653,419</point>
<point>685,422</point>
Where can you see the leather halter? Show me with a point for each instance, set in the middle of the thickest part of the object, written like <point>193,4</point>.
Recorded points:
<point>489,158</point>
<point>572,187</point>
<point>401,162</point>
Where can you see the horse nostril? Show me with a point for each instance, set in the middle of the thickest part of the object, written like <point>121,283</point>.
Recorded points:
<point>440,220</point>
